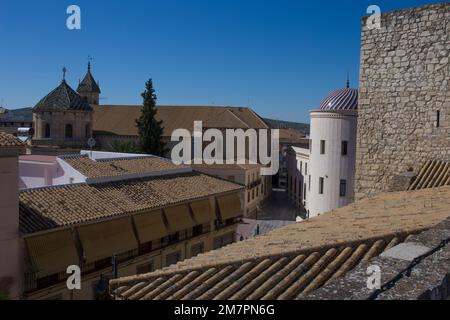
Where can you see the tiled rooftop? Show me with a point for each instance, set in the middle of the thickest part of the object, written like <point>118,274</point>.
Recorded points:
<point>298,258</point>
<point>52,207</point>
<point>118,167</point>
<point>224,166</point>
<point>8,140</point>
<point>276,277</point>
<point>425,256</point>
<point>433,174</point>
<point>120,120</point>
<point>62,98</point>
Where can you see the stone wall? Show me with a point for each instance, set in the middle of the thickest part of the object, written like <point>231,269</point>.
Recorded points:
<point>404,82</point>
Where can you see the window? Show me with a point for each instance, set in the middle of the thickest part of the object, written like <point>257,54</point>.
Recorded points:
<point>322,146</point>
<point>145,268</point>
<point>343,188</point>
<point>438,118</point>
<point>47,131</point>
<point>309,183</point>
<point>321,183</point>
<point>344,146</point>
<point>248,197</point>
<point>197,230</point>
<point>196,249</point>
<point>173,238</point>
<point>69,131</point>
<point>306,168</point>
<point>47,281</point>
<point>304,193</point>
<point>145,247</point>
<point>173,258</point>
<point>300,189</point>
<point>224,240</point>
<point>295,187</point>
<point>88,131</point>
<point>301,167</point>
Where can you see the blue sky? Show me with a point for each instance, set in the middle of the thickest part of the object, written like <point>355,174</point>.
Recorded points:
<point>279,57</point>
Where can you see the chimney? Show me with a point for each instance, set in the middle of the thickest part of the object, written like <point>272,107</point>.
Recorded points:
<point>11,273</point>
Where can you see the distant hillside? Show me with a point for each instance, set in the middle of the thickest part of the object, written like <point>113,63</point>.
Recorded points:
<point>23,113</point>
<point>280,124</point>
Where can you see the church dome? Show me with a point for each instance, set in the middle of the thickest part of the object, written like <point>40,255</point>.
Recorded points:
<point>342,99</point>
<point>63,98</point>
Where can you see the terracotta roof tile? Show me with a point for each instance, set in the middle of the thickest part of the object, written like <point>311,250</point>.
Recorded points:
<point>8,140</point>
<point>111,168</point>
<point>299,258</point>
<point>62,98</point>
<point>433,174</point>
<point>120,120</point>
<point>51,207</point>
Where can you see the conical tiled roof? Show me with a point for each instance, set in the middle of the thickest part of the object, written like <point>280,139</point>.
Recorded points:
<point>88,84</point>
<point>62,98</point>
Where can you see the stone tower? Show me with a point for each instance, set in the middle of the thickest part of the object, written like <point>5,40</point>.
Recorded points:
<point>89,89</point>
<point>404,102</point>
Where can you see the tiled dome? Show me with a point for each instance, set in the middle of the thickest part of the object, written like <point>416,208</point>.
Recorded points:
<point>342,99</point>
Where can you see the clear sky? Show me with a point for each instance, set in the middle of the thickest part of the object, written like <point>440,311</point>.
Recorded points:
<point>279,57</point>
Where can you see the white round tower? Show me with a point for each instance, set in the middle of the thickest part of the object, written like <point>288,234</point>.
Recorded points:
<point>333,152</point>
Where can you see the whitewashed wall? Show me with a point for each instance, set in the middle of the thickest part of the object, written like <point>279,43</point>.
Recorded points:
<point>333,127</point>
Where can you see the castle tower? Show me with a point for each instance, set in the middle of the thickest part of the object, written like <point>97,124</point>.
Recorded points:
<point>333,151</point>
<point>89,89</point>
<point>11,273</point>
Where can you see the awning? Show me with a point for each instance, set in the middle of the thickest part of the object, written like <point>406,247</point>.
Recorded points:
<point>230,206</point>
<point>52,252</point>
<point>179,218</point>
<point>150,226</point>
<point>203,212</point>
<point>104,239</point>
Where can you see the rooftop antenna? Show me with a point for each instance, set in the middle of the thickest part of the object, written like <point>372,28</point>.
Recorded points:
<point>348,80</point>
<point>64,73</point>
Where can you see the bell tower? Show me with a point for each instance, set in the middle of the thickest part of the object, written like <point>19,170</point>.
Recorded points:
<point>88,88</point>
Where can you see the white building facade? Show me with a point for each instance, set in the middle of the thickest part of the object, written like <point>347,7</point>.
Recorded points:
<point>321,178</point>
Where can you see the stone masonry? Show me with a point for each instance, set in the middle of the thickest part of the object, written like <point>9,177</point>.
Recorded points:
<point>404,99</point>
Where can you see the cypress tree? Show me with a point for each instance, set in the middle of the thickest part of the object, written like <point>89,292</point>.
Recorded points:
<point>150,130</point>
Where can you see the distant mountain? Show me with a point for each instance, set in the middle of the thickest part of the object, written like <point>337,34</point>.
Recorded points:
<point>24,114</point>
<point>280,124</point>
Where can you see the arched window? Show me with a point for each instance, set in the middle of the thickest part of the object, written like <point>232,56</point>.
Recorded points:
<point>69,131</point>
<point>88,131</point>
<point>47,131</point>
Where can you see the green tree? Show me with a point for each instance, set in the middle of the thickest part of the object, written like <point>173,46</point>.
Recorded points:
<point>150,130</point>
<point>125,146</point>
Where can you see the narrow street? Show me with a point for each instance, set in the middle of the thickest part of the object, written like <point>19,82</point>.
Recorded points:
<point>278,212</point>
